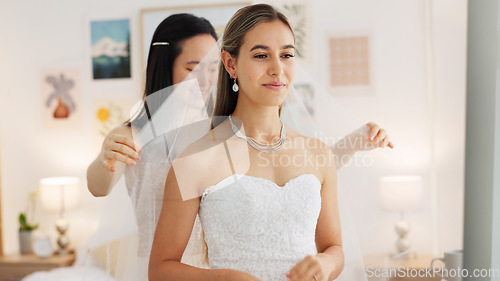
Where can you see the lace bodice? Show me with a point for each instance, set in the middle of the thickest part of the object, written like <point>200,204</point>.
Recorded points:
<point>252,224</point>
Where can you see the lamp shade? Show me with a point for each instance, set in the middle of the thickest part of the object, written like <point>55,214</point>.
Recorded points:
<point>401,193</point>
<point>59,194</point>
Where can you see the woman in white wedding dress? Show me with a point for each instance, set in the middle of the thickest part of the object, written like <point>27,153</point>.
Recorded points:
<point>266,195</point>
<point>145,178</point>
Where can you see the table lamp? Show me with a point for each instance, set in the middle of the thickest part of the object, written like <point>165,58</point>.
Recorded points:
<point>59,194</point>
<point>401,194</point>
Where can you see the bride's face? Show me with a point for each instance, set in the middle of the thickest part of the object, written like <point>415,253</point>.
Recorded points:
<point>265,66</point>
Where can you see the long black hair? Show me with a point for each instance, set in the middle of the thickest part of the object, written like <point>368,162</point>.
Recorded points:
<point>174,30</point>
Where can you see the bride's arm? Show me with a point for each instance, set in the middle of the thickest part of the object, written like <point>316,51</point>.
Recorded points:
<point>329,262</point>
<point>172,235</point>
<point>328,232</point>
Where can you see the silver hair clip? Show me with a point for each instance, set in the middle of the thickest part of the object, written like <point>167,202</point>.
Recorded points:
<point>160,43</point>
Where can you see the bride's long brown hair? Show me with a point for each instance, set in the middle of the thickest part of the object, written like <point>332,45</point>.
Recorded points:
<point>238,26</point>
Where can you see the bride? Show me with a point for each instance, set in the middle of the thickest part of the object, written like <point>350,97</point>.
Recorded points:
<point>266,195</point>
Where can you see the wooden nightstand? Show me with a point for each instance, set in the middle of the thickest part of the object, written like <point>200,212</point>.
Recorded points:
<point>419,268</point>
<point>14,268</point>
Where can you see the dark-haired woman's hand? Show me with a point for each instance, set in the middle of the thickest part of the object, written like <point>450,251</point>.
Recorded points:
<point>118,148</point>
<point>378,136</point>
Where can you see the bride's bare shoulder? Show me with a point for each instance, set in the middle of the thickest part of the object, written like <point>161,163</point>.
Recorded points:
<point>200,161</point>
<point>207,148</point>
<point>312,144</point>
<point>312,147</point>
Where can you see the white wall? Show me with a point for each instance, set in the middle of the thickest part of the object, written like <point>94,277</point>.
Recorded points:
<point>450,64</point>
<point>421,103</point>
<point>38,36</point>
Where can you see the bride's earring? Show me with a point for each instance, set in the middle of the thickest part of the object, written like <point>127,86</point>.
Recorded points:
<point>236,88</point>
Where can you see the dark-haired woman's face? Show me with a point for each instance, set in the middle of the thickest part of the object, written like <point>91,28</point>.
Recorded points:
<point>193,60</point>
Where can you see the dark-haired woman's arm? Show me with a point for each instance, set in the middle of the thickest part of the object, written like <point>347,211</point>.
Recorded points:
<point>118,150</point>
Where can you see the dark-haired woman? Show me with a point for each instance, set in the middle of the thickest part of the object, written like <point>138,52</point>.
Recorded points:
<point>178,45</point>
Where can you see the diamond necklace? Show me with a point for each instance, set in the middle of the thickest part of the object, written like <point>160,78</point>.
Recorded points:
<point>264,147</point>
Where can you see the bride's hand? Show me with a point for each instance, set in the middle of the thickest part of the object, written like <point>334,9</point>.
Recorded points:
<point>312,268</point>
<point>236,275</point>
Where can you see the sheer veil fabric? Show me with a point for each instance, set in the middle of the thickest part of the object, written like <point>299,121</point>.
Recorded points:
<point>178,116</point>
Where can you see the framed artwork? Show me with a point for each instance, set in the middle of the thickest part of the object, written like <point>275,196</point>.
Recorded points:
<point>110,48</point>
<point>108,114</point>
<point>61,98</point>
<point>217,14</point>
<point>350,64</point>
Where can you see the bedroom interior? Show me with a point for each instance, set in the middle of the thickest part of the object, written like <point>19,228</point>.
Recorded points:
<point>418,58</point>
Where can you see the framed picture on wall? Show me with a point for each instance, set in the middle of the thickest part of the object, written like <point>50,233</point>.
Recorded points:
<point>217,14</point>
<point>110,48</point>
<point>108,114</point>
<point>61,106</point>
<point>349,68</point>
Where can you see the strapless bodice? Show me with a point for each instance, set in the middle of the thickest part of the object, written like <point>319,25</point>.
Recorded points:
<point>252,224</point>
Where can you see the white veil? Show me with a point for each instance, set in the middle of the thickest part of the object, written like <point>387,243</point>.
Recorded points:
<point>182,115</point>
<point>163,126</point>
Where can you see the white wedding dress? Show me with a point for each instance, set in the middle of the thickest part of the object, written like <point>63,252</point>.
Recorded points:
<point>252,224</point>
<point>145,184</point>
